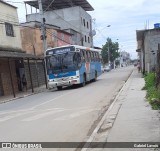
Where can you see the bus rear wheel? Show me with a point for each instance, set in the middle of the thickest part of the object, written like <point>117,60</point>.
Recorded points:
<point>95,77</point>
<point>59,87</point>
<point>84,81</point>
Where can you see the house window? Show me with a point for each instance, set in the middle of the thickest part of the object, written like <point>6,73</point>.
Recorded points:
<point>84,23</point>
<point>88,40</point>
<point>87,25</point>
<point>85,38</point>
<point>9,29</point>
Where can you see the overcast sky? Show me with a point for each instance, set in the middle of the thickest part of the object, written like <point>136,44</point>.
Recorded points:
<point>124,16</point>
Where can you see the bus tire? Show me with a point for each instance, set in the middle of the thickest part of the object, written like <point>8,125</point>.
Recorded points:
<point>95,77</point>
<point>59,87</point>
<point>84,80</point>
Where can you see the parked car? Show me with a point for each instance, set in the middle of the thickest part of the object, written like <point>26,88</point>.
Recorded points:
<point>102,69</point>
<point>107,68</point>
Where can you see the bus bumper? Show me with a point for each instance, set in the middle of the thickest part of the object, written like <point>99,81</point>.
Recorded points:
<point>53,84</point>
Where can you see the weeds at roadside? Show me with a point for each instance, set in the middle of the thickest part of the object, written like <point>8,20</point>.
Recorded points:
<point>153,93</point>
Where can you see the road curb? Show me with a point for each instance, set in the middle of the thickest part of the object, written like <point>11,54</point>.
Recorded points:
<point>94,133</point>
<point>19,97</point>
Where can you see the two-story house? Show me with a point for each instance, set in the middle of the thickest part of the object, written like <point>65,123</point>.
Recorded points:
<point>14,62</point>
<point>10,42</point>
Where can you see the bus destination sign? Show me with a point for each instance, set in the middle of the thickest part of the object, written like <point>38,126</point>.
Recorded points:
<point>60,51</point>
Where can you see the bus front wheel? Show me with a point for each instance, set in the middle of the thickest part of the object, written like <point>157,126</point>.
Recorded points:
<point>59,87</point>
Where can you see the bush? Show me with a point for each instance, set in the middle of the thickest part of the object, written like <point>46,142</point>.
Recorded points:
<point>153,94</point>
<point>149,80</point>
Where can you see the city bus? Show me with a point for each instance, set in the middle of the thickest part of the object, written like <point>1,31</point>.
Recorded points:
<point>72,65</point>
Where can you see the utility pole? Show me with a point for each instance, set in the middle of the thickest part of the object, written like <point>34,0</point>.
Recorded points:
<point>43,28</point>
<point>108,54</point>
<point>43,37</point>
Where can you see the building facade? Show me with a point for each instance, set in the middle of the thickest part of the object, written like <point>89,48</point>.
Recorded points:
<point>14,62</point>
<point>9,41</point>
<point>147,46</point>
<point>10,38</point>
<point>73,19</point>
<point>124,59</point>
<point>31,37</point>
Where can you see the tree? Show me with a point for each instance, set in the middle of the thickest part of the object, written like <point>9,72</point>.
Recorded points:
<point>113,49</point>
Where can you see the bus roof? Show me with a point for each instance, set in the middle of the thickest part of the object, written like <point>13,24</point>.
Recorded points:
<point>76,46</point>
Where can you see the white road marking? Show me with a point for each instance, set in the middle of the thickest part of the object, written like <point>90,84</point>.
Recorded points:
<point>6,115</point>
<point>51,100</point>
<point>66,117</point>
<point>13,116</point>
<point>32,108</point>
<point>42,115</point>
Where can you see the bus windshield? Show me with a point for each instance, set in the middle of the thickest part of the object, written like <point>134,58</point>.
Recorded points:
<point>63,62</point>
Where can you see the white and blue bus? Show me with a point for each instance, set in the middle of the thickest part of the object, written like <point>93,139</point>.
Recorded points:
<point>73,64</point>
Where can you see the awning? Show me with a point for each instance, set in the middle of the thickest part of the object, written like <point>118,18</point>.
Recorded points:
<point>9,54</point>
<point>60,4</point>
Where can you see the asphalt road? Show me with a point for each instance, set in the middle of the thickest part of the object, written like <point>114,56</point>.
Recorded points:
<point>68,115</point>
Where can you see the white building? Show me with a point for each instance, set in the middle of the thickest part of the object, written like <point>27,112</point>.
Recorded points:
<point>124,59</point>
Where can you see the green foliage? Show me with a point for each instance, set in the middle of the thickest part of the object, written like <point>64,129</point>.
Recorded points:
<point>149,80</point>
<point>153,94</point>
<point>113,49</point>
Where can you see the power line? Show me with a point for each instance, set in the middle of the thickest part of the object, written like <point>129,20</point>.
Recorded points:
<point>49,5</point>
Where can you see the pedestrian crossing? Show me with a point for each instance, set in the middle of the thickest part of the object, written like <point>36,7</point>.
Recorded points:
<point>58,114</point>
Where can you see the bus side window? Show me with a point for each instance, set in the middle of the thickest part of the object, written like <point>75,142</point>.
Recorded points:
<point>92,56</point>
<point>87,60</point>
<point>96,56</point>
<point>82,55</point>
<point>99,57</point>
<point>85,56</point>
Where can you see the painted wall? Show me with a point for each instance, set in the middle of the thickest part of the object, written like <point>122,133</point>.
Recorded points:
<point>9,14</point>
<point>151,41</point>
<point>32,43</point>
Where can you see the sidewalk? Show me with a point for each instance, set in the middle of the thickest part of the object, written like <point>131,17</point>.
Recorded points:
<point>8,98</point>
<point>131,119</point>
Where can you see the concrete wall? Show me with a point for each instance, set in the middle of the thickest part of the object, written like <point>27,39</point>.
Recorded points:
<point>151,41</point>
<point>9,14</point>
<point>37,74</point>
<point>32,43</point>
<point>73,17</point>
<point>6,87</point>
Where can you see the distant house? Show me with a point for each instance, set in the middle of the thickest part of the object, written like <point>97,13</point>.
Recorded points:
<point>31,37</point>
<point>124,58</point>
<point>147,46</point>
<point>71,16</point>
